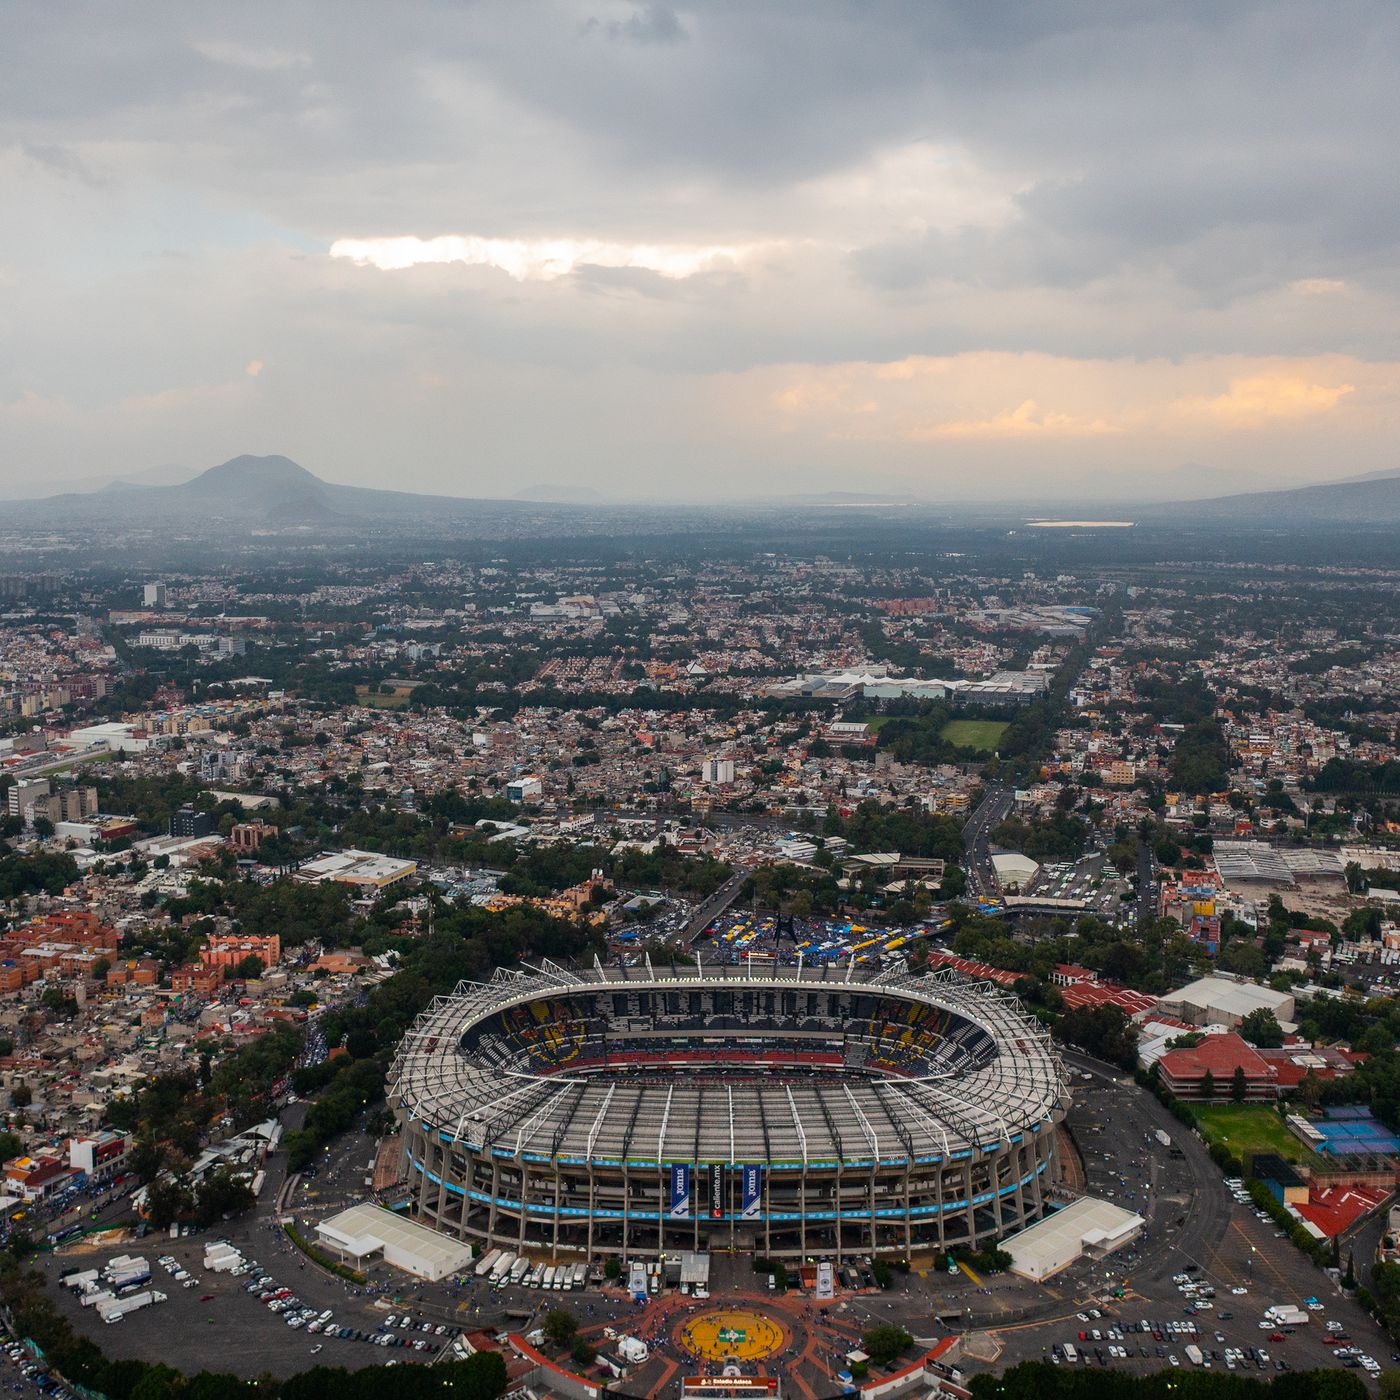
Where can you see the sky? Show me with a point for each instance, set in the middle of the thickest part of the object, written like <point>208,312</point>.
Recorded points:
<point>945,249</point>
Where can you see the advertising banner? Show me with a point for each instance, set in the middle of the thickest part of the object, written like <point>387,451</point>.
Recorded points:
<point>753,1193</point>
<point>716,1190</point>
<point>680,1193</point>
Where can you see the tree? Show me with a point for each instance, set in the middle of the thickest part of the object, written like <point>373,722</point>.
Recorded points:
<point>560,1326</point>
<point>249,969</point>
<point>1261,1028</point>
<point>1238,1087</point>
<point>1207,1086</point>
<point>885,1342</point>
<point>21,1096</point>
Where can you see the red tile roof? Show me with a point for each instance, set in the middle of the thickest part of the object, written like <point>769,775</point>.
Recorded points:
<point>1336,1209</point>
<point>1220,1054</point>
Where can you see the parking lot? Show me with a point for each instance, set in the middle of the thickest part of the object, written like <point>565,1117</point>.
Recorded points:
<point>1203,1273</point>
<point>1195,1230</point>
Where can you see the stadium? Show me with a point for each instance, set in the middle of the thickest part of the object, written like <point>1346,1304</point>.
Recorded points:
<point>789,1111</point>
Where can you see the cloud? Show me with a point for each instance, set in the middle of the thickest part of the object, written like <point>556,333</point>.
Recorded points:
<point>987,398</point>
<point>1262,400</point>
<point>1026,420</point>
<point>1317,286</point>
<point>651,23</point>
<point>253,368</point>
<point>259,58</point>
<point>751,236</point>
<point>540,259</point>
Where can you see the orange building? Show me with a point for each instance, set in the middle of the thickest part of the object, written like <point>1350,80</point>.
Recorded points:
<point>195,978</point>
<point>229,949</point>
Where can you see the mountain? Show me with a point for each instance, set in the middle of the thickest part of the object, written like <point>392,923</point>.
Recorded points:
<point>1371,500</point>
<point>264,493</point>
<point>153,476</point>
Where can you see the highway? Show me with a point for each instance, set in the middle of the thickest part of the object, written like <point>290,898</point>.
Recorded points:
<point>1147,885</point>
<point>994,808</point>
<point>715,905</point>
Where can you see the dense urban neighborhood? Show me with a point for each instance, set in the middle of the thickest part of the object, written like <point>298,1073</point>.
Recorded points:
<point>260,822</point>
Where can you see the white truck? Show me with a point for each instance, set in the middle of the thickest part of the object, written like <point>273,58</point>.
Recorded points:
<point>118,1308</point>
<point>519,1269</point>
<point>632,1350</point>
<point>580,1275</point>
<point>487,1262</point>
<point>97,1297</point>
<point>1194,1355</point>
<point>502,1267</point>
<point>1286,1315</point>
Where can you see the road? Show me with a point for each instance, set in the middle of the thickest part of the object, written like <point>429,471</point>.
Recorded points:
<point>714,906</point>
<point>994,808</point>
<point>1147,885</point>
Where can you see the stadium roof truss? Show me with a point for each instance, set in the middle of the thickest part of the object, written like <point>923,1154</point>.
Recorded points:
<point>496,1103</point>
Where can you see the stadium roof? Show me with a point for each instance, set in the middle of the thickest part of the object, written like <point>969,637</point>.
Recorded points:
<point>677,1115</point>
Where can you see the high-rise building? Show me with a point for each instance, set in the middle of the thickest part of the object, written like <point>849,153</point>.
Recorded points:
<point>24,795</point>
<point>188,822</point>
<point>718,771</point>
<point>154,595</point>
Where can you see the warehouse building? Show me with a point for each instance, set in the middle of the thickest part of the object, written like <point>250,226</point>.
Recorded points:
<point>358,1234</point>
<point>1220,1001</point>
<point>1088,1227</point>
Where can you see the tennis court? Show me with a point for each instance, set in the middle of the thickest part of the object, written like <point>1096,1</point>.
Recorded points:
<point>1351,1131</point>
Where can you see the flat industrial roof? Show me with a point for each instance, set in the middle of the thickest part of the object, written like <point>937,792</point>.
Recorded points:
<point>1050,1244</point>
<point>1218,993</point>
<point>364,1228</point>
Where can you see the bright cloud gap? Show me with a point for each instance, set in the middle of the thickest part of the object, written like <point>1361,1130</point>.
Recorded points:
<point>542,259</point>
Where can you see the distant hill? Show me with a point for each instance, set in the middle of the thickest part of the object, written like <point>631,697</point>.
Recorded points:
<point>1371,500</point>
<point>251,493</point>
<point>41,486</point>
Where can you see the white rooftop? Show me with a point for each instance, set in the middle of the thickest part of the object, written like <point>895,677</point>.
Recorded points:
<point>362,1229</point>
<point>1057,1241</point>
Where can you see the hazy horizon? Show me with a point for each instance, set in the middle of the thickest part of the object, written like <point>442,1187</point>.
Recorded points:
<point>723,251</point>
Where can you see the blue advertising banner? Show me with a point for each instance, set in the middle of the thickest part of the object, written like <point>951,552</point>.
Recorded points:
<point>753,1193</point>
<point>680,1193</point>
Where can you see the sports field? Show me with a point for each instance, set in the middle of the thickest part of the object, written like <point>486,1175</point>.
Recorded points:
<point>980,734</point>
<point>1248,1129</point>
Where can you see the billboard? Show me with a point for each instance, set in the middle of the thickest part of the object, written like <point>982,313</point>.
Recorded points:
<point>716,1190</point>
<point>680,1192</point>
<point>752,1193</point>
<point>721,1386</point>
<point>826,1279</point>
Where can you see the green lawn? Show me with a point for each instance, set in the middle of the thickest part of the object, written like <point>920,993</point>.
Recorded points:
<point>377,701</point>
<point>980,734</point>
<point>1247,1129</point>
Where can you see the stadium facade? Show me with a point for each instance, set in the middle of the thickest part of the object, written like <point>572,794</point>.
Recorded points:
<point>791,1111</point>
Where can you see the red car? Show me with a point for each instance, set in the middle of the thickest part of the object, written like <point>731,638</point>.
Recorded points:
<point>207,1298</point>
<point>1277,1337</point>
